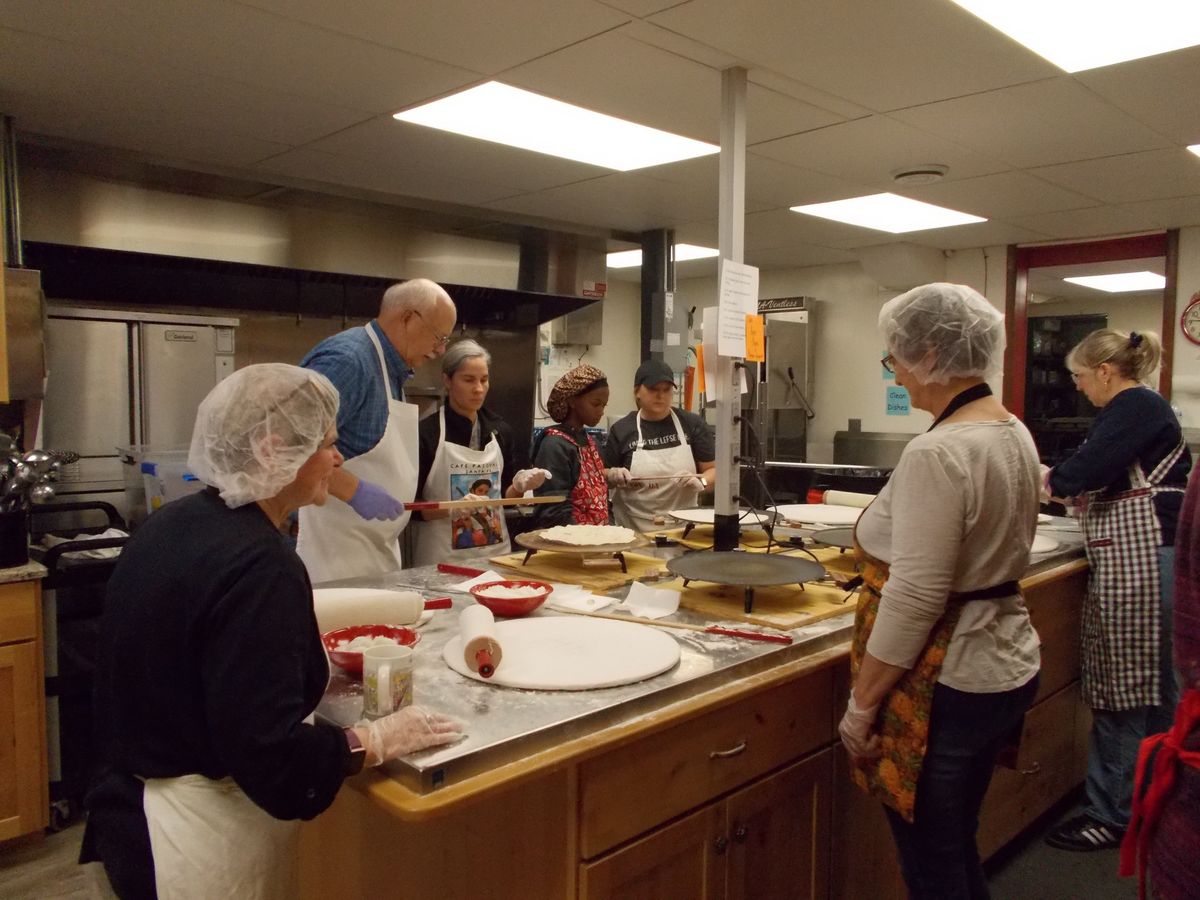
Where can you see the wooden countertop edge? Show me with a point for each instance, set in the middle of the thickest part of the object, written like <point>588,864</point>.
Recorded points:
<point>408,805</point>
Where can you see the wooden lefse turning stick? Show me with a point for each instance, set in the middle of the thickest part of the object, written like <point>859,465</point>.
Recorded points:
<point>773,637</point>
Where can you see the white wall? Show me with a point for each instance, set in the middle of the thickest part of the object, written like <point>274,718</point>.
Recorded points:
<point>1185,381</point>
<point>848,380</point>
<point>1134,312</point>
<point>617,355</point>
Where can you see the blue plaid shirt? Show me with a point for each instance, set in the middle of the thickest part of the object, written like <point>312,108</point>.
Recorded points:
<point>348,359</point>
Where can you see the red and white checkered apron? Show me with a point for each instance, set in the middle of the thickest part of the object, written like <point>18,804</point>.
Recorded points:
<point>1122,618</point>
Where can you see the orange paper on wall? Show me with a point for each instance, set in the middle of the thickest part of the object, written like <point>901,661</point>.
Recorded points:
<point>756,347</point>
<point>700,388</point>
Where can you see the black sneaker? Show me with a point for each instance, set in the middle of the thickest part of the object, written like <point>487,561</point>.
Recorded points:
<point>1085,833</point>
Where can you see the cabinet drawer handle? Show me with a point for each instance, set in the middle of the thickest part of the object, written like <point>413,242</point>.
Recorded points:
<point>1032,770</point>
<point>740,834</point>
<point>720,844</point>
<point>725,754</point>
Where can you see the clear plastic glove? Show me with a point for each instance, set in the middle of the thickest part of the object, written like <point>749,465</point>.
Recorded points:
<point>407,731</point>
<point>371,501</point>
<point>857,729</point>
<point>695,482</point>
<point>530,479</point>
<point>1044,497</point>
<point>618,477</point>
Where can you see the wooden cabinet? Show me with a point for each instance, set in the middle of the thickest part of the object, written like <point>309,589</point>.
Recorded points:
<point>24,803</point>
<point>768,841</point>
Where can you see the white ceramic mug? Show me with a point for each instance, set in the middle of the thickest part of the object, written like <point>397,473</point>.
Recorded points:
<point>387,679</point>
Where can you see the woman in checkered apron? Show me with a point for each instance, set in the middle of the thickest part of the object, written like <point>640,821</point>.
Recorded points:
<point>1128,480</point>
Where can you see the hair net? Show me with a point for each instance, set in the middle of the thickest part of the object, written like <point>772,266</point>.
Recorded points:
<point>257,427</point>
<point>944,331</point>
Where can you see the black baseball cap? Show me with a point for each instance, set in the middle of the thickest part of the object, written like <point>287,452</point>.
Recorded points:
<point>652,372</point>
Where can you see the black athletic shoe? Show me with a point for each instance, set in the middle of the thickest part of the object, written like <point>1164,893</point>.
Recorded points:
<point>1085,833</point>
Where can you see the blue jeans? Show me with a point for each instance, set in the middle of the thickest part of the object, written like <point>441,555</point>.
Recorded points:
<point>938,855</point>
<point>1116,735</point>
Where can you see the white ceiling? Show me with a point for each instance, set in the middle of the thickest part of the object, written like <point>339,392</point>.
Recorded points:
<point>842,93</point>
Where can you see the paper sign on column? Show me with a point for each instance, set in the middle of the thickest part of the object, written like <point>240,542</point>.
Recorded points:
<point>737,298</point>
<point>708,331</point>
<point>756,343</point>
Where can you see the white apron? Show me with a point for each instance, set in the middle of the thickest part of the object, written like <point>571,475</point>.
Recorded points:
<point>636,507</point>
<point>452,473</point>
<point>209,839</point>
<point>334,541</point>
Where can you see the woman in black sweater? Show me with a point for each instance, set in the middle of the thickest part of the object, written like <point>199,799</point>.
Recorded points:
<point>1127,481</point>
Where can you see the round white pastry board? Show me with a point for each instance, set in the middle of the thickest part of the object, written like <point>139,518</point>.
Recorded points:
<point>705,515</point>
<point>1043,544</point>
<point>819,513</point>
<point>572,653</point>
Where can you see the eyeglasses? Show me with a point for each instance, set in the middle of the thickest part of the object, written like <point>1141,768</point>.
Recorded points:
<point>889,364</point>
<point>442,339</point>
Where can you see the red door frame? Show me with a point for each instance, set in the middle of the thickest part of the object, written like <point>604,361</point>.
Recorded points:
<point>1022,259</point>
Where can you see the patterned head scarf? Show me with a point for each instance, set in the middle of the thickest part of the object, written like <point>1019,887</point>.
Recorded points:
<point>578,381</point>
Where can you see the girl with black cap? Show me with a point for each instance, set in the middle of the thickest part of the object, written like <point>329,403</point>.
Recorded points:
<point>658,441</point>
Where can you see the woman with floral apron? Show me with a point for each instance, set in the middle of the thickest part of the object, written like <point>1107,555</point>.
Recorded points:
<point>1129,477</point>
<point>944,659</point>
<point>570,454</point>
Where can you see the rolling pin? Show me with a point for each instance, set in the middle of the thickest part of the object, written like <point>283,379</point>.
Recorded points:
<point>481,650</point>
<point>848,498</point>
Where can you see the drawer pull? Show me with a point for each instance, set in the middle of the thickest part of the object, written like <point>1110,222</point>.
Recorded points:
<point>1032,770</point>
<point>725,754</point>
<point>740,834</point>
<point>720,844</point>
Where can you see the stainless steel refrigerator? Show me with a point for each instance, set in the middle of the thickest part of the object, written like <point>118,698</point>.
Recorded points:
<point>119,378</point>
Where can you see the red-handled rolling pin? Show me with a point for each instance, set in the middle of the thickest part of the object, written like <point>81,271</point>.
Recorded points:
<point>439,603</point>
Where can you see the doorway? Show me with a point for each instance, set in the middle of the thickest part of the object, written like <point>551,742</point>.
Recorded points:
<point>1047,316</point>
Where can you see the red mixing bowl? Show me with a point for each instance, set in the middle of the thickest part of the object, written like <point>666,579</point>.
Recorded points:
<point>351,660</point>
<point>512,606</point>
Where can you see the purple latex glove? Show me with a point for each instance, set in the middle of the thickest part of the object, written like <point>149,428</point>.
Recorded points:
<point>372,502</point>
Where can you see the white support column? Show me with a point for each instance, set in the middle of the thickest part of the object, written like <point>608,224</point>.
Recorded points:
<point>732,226</point>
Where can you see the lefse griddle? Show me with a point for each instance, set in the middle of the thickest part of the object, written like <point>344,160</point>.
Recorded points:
<point>749,570</point>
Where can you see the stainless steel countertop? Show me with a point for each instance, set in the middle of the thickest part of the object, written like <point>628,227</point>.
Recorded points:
<point>506,724</point>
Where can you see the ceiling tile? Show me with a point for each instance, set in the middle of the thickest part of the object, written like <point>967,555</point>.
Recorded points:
<point>960,237</point>
<point>866,151</point>
<point>41,73</point>
<point>482,37</point>
<point>386,143</point>
<point>250,46</point>
<point>796,255</point>
<point>624,201</point>
<point>879,55</point>
<point>1053,121</point>
<point>784,228</point>
<point>1154,91</point>
<point>769,184</point>
<point>410,180</point>
<point>998,196</point>
<point>1174,213</point>
<point>1152,175</point>
<point>1097,221</point>
<point>642,7</point>
<point>653,87</point>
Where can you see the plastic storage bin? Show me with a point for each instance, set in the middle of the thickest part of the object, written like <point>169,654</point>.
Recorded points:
<point>155,476</point>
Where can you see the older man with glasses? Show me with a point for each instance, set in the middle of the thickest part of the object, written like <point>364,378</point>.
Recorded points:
<point>377,432</point>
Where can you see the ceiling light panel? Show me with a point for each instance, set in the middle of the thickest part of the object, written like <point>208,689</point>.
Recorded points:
<point>628,259</point>
<point>1085,34</point>
<point>507,115</point>
<point>1123,282</point>
<point>888,212</point>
